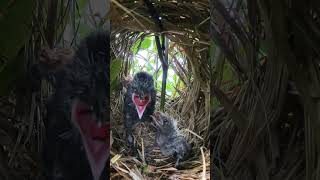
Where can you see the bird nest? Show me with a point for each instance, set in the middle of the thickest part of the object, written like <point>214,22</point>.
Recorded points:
<point>150,163</point>
<point>185,24</point>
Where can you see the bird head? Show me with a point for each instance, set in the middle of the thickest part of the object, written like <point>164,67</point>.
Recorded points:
<point>163,123</point>
<point>142,91</point>
<point>89,77</point>
<point>82,89</point>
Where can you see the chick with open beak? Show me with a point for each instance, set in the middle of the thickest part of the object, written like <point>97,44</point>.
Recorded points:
<point>77,142</point>
<point>139,103</point>
<point>168,138</point>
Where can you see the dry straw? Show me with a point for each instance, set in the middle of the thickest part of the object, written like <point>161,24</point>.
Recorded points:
<point>185,24</point>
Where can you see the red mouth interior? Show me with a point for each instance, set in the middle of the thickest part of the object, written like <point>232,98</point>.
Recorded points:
<point>140,102</point>
<point>96,137</point>
<point>88,124</point>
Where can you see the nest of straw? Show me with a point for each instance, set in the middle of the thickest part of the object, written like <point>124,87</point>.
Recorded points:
<point>151,164</point>
<point>186,24</point>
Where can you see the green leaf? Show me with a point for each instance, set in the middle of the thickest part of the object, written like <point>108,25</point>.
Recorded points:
<point>175,78</point>
<point>135,47</point>
<point>115,69</point>
<point>146,43</point>
<point>154,49</point>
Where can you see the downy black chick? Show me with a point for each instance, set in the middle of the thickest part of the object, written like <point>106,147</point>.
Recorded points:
<point>168,138</point>
<point>139,103</point>
<point>77,139</point>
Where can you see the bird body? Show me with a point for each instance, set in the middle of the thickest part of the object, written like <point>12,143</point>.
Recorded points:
<point>139,102</point>
<point>168,138</point>
<point>77,127</point>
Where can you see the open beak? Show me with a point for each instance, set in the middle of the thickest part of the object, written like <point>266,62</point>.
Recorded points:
<point>95,136</point>
<point>140,110</point>
<point>140,104</point>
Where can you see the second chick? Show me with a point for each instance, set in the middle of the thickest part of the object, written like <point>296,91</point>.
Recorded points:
<point>168,138</point>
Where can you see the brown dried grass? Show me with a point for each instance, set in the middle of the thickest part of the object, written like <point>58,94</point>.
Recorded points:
<point>154,165</point>
<point>186,24</point>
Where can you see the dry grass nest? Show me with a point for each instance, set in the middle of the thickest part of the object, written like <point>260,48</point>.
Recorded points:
<point>186,24</point>
<point>151,164</point>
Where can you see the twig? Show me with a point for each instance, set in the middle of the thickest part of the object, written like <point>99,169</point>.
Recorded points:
<point>204,164</point>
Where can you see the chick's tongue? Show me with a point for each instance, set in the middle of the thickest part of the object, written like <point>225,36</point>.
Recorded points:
<point>140,108</point>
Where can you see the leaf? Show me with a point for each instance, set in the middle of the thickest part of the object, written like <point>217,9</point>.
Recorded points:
<point>154,47</point>
<point>115,69</point>
<point>146,43</point>
<point>149,68</point>
<point>135,47</point>
<point>175,78</point>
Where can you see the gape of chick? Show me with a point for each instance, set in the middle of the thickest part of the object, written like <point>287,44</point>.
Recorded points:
<point>139,103</point>
<point>168,138</point>
<point>77,138</point>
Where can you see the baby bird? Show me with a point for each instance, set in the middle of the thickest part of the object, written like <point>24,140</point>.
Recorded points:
<point>139,103</point>
<point>168,138</point>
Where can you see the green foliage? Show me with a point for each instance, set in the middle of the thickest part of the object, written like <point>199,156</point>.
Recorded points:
<point>135,47</point>
<point>146,59</point>
<point>146,43</point>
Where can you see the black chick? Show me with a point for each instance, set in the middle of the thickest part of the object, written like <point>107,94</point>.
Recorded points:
<point>139,103</point>
<point>77,138</point>
<point>168,138</point>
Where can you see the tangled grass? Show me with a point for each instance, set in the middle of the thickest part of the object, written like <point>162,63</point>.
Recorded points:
<point>151,164</point>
